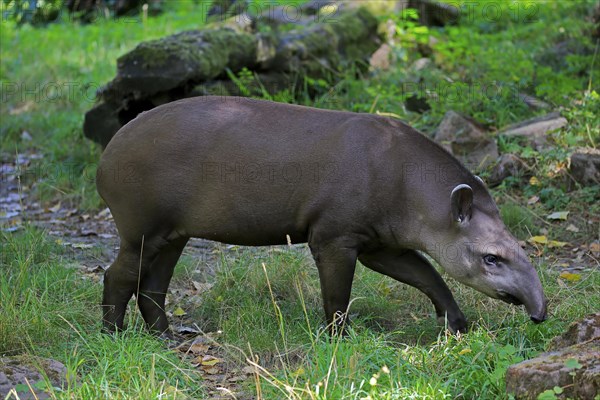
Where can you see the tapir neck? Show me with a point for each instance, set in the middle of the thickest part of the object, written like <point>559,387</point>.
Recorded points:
<point>427,173</point>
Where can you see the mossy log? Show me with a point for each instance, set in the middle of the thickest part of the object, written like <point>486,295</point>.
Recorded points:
<point>190,63</point>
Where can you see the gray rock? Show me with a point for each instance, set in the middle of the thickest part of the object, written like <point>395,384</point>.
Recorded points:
<point>421,64</point>
<point>579,332</point>
<point>507,165</point>
<point>585,166</point>
<point>535,129</point>
<point>467,140</point>
<point>17,371</point>
<point>579,380</point>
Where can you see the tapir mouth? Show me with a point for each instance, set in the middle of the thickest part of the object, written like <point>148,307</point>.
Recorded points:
<point>509,298</point>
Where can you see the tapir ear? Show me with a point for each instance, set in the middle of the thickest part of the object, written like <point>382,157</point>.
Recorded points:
<point>461,201</point>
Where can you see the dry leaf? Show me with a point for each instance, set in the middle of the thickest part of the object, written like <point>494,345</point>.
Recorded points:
<point>198,348</point>
<point>556,243</point>
<point>179,312</point>
<point>210,370</point>
<point>559,215</point>
<point>210,360</point>
<point>55,208</point>
<point>595,247</point>
<point>248,370</point>
<point>532,200</point>
<point>569,276</point>
<point>572,228</point>
<point>542,239</point>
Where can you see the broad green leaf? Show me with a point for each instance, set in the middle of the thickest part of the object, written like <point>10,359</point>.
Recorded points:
<point>573,363</point>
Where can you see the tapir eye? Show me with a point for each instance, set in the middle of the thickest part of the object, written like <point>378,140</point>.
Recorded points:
<point>490,259</point>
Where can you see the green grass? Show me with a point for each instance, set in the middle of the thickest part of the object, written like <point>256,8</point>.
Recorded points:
<point>274,311</point>
<point>48,310</point>
<point>267,305</point>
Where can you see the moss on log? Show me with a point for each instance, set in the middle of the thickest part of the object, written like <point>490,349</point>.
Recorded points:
<point>176,66</point>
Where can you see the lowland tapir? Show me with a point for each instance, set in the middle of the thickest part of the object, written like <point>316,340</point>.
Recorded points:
<point>354,186</point>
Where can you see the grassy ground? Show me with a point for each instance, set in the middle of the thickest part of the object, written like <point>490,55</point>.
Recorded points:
<point>266,305</point>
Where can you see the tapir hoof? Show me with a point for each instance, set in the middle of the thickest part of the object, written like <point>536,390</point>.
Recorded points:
<point>455,325</point>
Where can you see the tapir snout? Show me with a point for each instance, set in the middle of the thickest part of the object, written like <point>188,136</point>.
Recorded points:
<point>532,297</point>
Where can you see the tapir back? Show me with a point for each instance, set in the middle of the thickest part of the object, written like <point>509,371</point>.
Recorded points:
<point>241,171</point>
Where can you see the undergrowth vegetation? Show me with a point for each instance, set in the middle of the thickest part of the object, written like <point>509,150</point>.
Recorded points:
<point>266,305</point>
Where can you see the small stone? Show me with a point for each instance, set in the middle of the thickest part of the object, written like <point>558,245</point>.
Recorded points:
<point>573,365</point>
<point>579,332</point>
<point>17,371</point>
<point>507,165</point>
<point>585,167</point>
<point>467,140</point>
<point>535,129</point>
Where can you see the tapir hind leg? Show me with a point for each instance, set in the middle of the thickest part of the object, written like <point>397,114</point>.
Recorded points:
<point>122,279</point>
<point>410,267</point>
<point>336,264</point>
<point>154,285</point>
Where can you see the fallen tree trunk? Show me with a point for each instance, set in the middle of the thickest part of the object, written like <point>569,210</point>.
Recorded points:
<point>197,62</point>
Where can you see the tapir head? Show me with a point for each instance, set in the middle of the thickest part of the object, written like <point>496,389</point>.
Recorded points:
<point>486,256</point>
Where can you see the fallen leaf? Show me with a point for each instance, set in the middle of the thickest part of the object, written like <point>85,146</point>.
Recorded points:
<point>532,200</point>
<point>464,351</point>
<point>248,370</point>
<point>103,214</point>
<point>556,243</point>
<point>558,215</point>
<point>572,228</point>
<point>210,360</point>
<point>595,247</point>
<point>186,330</point>
<point>55,208</point>
<point>198,348</point>
<point>542,239</point>
<point>534,181</point>
<point>210,370</point>
<point>238,378</point>
<point>569,276</point>
<point>179,312</point>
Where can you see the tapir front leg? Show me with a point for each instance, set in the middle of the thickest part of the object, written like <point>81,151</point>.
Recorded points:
<point>410,267</point>
<point>336,263</point>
